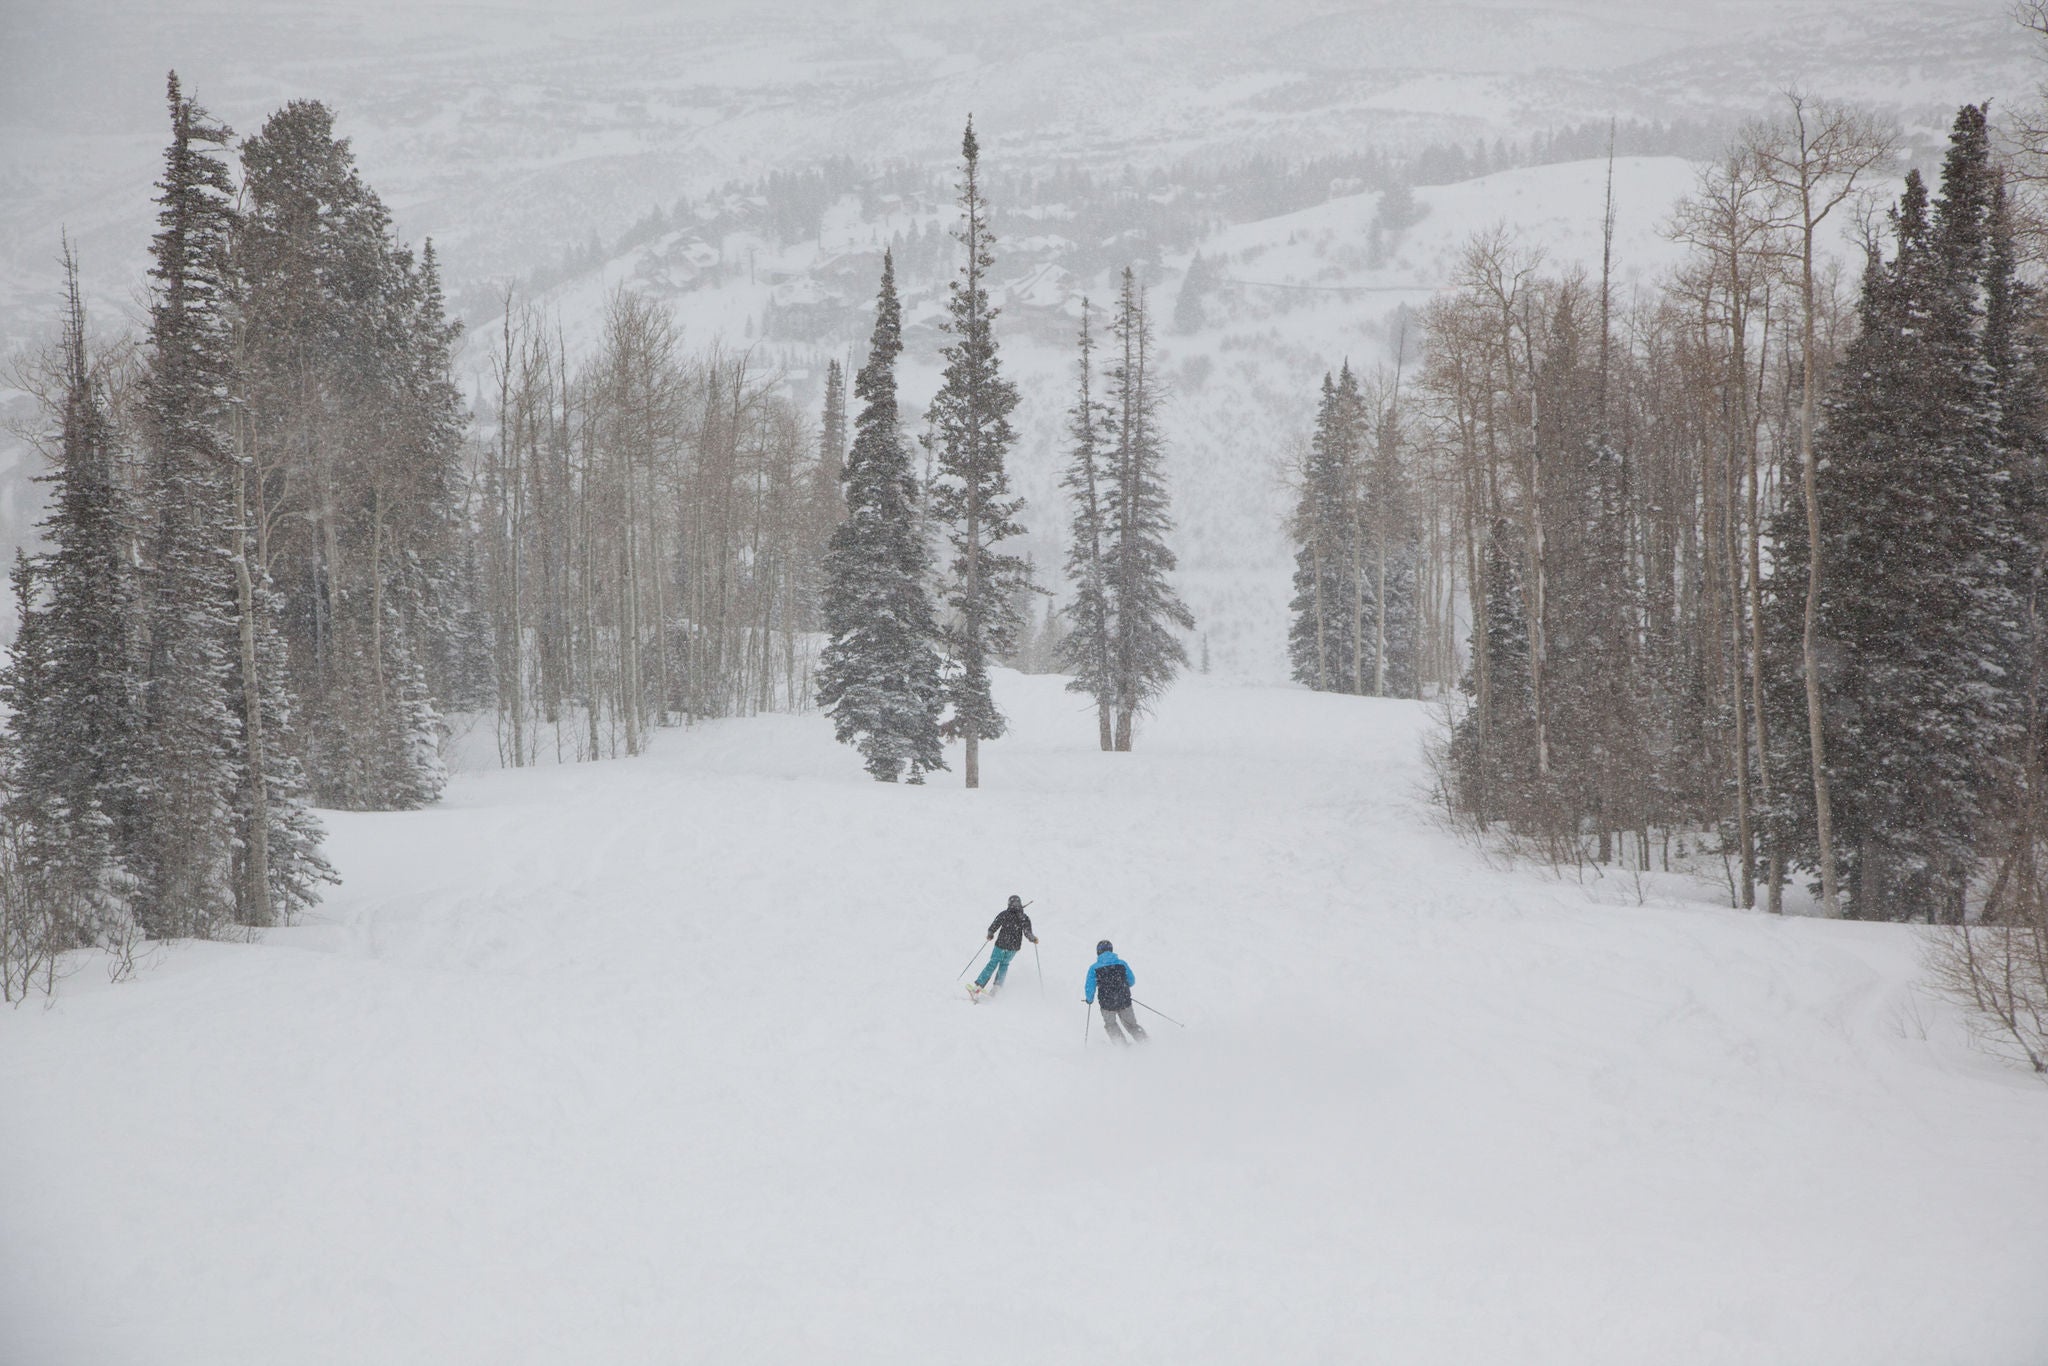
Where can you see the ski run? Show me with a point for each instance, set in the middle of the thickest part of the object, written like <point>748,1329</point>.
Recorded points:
<point>666,1060</point>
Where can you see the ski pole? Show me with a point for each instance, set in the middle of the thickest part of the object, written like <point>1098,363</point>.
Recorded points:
<point>1160,1013</point>
<point>970,962</point>
<point>1087,1021</point>
<point>1041,969</point>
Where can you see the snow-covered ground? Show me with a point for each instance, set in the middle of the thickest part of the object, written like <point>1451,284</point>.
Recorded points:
<point>664,1061</point>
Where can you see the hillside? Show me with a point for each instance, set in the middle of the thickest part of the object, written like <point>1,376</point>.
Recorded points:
<point>522,137</point>
<point>664,1060</point>
<point>1292,296</point>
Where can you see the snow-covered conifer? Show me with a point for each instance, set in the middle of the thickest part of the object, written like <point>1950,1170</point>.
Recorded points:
<point>879,676</point>
<point>1086,649</point>
<point>1389,628</point>
<point>353,432</point>
<point>71,687</point>
<point>1492,749</point>
<point>1146,653</point>
<point>1323,642</point>
<point>187,789</point>
<point>971,497</point>
<point>1919,615</point>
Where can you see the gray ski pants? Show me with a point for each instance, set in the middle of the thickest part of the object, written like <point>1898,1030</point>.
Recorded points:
<point>1128,1018</point>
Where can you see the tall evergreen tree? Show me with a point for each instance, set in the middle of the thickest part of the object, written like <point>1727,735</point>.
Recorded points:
<point>1921,613</point>
<point>826,507</point>
<point>1590,700</point>
<point>1323,643</point>
<point>971,496</point>
<point>355,431</point>
<point>1086,651</point>
<point>1390,624</point>
<point>71,688</point>
<point>187,790</point>
<point>438,595</point>
<point>1492,749</point>
<point>879,677</point>
<point>1145,653</point>
<point>278,865</point>
<point>831,497</point>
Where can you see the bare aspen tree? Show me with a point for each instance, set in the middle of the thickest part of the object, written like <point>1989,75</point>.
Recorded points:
<point>649,524</point>
<point>1813,160</point>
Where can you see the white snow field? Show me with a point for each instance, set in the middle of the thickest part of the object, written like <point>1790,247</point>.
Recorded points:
<point>664,1060</point>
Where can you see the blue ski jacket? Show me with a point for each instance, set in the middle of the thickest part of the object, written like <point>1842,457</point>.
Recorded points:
<point>1105,961</point>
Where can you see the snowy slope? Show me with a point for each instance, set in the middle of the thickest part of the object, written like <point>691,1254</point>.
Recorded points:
<point>663,1061</point>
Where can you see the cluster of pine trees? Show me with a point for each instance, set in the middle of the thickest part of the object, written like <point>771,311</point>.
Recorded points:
<point>907,639</point>
<point>250,597</point>
<point>275,559</point>
<point>1358,568</point>
<point>1747,564</point>
<point>1121,644</point>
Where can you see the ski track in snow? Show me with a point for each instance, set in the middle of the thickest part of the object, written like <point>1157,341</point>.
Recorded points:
<point>663,1060</point>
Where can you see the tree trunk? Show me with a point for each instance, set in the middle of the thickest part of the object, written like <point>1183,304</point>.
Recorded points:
<point>1823,815</point>
<point>1322,649</point>
<point>377,601</point>
<point>1379,643</point>
<point>256,895</point>
<point>1774,873</point>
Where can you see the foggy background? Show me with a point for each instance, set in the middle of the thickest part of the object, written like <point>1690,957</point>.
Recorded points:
<point>564,151</point>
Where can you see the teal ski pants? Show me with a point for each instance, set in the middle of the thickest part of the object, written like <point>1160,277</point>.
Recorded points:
<point>998,963</point>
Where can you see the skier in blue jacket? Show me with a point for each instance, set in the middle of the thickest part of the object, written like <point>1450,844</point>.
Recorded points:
<point>1110,980</point>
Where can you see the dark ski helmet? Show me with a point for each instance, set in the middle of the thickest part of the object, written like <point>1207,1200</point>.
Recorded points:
<point>1016,903</point>
<point>1105,947</point>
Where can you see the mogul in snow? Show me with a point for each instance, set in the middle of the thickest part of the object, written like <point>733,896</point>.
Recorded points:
<point>1009,930</point>
<point>1110,980</point>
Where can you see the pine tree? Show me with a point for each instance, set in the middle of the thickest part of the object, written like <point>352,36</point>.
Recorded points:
<point>1051,636</point>
<point>440,597</point>
<point>354,430</point>
<point>826,508</point>
<point>1145,653</point>
<point>73,722</point>
<point>1086,649</point>
<point>1589,696</point>
<point>187,792</point>
<point>831,497</point>
<point>1920,614</point>
<point>1493,742</point>
<point>1390,625</point>
<point>1323,643</point>
<point>278,866</point>
<point>971,497</point>
<point>879,676</point>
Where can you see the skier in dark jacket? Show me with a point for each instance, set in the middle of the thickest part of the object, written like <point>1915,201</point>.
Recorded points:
<point>1109,982</point>
<point>1009,930</point>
